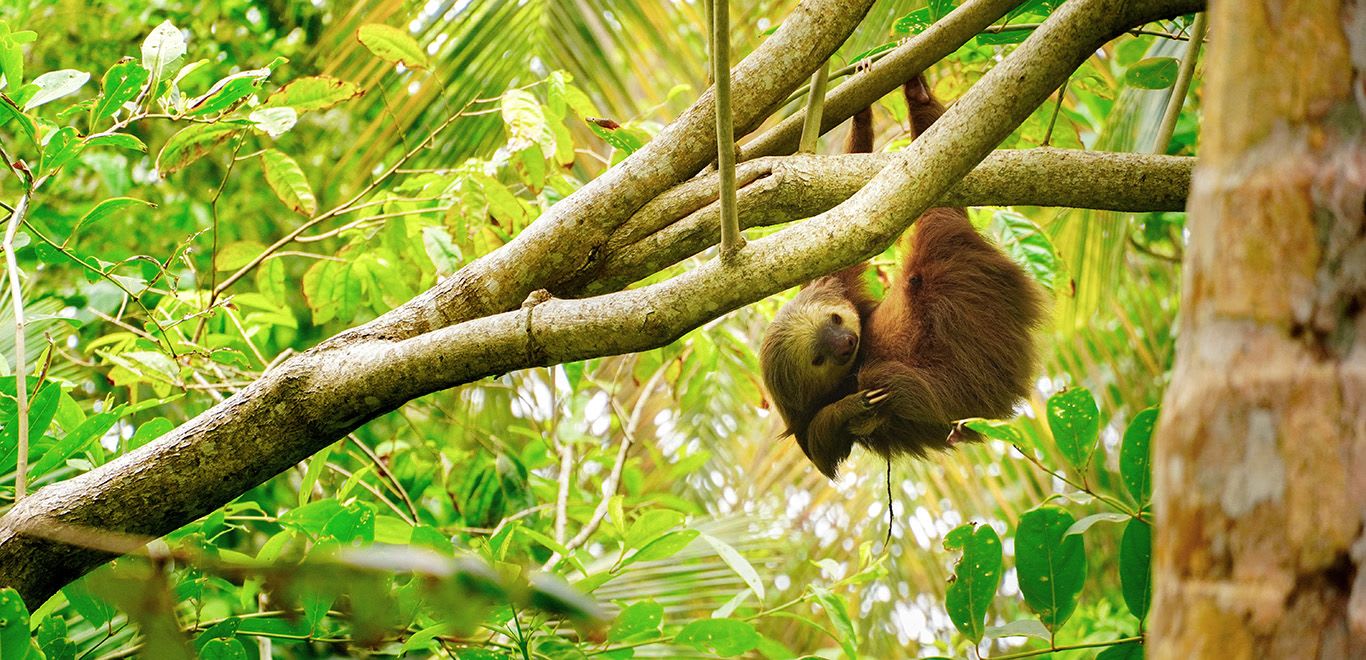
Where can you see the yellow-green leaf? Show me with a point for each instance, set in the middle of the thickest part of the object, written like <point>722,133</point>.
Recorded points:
<point>313,93</point>
<point>287,179</point>
<point>191,144</point>
<point>393,44</point>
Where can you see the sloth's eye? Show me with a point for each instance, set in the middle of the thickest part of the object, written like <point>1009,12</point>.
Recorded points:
<point>820,359</point>
<point>837,319</point>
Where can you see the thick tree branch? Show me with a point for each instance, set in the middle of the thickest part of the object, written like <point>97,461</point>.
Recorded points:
<point>319,396</point>
<point>790,188</point>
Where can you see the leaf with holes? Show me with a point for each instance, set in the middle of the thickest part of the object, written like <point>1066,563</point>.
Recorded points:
<point>1075,422</point>
<point>56,84</point>
<point>1135,456</point>
<point>162,49</point>
<point>121,83</point>
<point>976,577</point>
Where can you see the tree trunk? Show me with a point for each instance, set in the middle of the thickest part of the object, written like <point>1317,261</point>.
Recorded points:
<point>1260,465</point>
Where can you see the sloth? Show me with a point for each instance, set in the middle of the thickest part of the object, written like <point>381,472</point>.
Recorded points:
<point>952,337</point>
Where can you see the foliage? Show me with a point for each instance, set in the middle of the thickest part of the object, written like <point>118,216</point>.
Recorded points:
<point>208,190</point>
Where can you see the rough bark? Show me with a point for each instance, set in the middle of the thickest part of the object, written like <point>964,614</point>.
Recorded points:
<point>1260,460</point>
<point>313,399</point>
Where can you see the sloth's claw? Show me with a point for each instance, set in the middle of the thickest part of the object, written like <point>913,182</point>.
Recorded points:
<point>876,396</point>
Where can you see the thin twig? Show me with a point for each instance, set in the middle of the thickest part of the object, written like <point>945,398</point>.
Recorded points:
<point>1183,83</point>
<point>731,241</point>
<point>815,106</point>
<point>20,358</point>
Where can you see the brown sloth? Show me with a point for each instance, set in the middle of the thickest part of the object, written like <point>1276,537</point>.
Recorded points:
<point>952,338</point>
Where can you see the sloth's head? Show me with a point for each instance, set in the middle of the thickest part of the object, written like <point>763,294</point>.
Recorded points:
<point>810,348</point>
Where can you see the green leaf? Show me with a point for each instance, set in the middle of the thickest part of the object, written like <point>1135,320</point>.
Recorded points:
<point>191,144</point>
<point>976,577</point>
<point>1135,567</point>
<point>121,83</point>
<point>1084,524</point>
<point>1075,421</point>
<point>223,649</point>
<point>1029,245</point>
<point>9,111</point>
<point>355,522</point>
<point>64,145</point>
<point>1126,651</point>
<point>623,139</point>
<point>161,49</point>
<point>1135,456</point>
<point>996,430</point>
<point>839,615</point>
<point>227,92</point>
<point>737,563</point>
<point>42,408</point>
<point>1153,73</point>
<point>551,594</point>
<point>83,436</point>
<point>119,140</point>
<point>641,619</point>
<point>107,208</point>
<point>316,465</point>
<point>313,93</point>
<point>724,637</point>
<point>14,633</point>
<point>287,180</point>
<point>56,84</point>
<point>441,249</point>
<point>663,547</point>
<point>52,639</point>
<point>1052,568</point>
<point>1003,37</point>
<point>392,44</point>
<point>651,525</point>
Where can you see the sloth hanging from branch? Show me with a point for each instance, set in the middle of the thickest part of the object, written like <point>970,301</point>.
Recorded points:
<point>951,339</point>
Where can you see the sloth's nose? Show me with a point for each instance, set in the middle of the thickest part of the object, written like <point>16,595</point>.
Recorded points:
<point>845,345</point>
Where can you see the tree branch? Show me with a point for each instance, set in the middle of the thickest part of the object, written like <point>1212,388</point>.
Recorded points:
<point>317,397</point>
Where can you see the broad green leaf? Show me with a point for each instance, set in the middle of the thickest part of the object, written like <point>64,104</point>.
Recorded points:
<point>121,83</point>
<point>1135,567</point>
<point>56,84</point>
<point>392,44</point>
<point>191,144</point>
<point>1051,567</point>
<point>355,522</point>
<point>94,609</point>
<point>313,93</point>
<point>996,430</point>
<point>223,649</point>
<point>119,140</point>
<point>1153,73</point>
<point>52,639</point>
<point>737,563</point>
<point>64,145</point>
<point>422,639</point>
<point>441,249</point>
<point>162,48</point>
<point>1084,524</point>
<point>976,577</point>
<point>1029,245</point>
<point>723,637</point>
<point>1135,456</point>
<point>14,633</point>
<point>1126,651</point>
<point>623,139</point>
<point>651,525</point>
<point>107,208</point>
<point>837,613</point>
<point>287,180</point>
<point>274,121</point>
<point>1075,422</point>
<point>663,547</point>
<point>227,92</point>
<point>41,409</point>
<point>83,436</point>
<point>525,122</point>
<point>637,619</point>
<point>1003,37</point>
<point>316,465</point>
<point>12,53</point>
